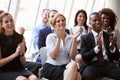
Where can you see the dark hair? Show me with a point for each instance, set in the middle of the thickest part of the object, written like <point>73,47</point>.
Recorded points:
<point>112,16</point>
<point>75,20</point>
<point>1,11</point>
<point>51,11</point>
<point>93,13</point>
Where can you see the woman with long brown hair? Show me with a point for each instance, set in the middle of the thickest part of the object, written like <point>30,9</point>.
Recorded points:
<point>12,50</point>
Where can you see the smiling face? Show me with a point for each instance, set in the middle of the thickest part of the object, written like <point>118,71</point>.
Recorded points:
<point>105,19</point>
<point>81,19</point>
<point>60,23</point>
<point>45,16</point>
<point>51,14</point>
<point>8,23</point>
<point>95,22</point>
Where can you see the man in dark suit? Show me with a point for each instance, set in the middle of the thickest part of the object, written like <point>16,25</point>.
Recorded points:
<point>98,43</point>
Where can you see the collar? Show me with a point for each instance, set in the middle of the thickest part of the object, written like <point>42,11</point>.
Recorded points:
<point>94,33</point>
<point>67,35</point>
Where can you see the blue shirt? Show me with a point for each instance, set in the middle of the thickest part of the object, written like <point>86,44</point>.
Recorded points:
<point>35,35</point>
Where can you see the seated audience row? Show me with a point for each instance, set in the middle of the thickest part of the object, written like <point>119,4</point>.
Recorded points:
<point>79,53</point>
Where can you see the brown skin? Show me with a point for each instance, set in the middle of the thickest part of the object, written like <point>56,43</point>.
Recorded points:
<point>105,22</point>
<point>95,22</point>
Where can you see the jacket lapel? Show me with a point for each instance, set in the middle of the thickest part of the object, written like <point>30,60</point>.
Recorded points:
<point>91,39</point>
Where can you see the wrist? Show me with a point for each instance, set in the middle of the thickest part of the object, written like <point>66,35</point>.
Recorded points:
<point>22,55</point>
<point>111,46</point>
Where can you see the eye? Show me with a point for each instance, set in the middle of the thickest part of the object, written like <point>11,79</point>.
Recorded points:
<point>6,21</point>
<point>11,20</point>
<point>58,21</point>
<point>63,20</point>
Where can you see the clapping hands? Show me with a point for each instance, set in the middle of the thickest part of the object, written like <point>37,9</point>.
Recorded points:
<point>77,34</point>
<point>99,40</point>
<point>20,50</point>
<point>112,40</point>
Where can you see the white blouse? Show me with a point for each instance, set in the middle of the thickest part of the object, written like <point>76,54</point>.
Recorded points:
<point>64,51</point>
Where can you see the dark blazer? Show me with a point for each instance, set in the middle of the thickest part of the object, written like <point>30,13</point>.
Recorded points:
<point>87,48</point>
<point>43,35</point>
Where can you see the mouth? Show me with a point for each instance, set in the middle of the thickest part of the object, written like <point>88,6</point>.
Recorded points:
<point>61,28</point>
<point>105,23</point>
<point>98,25</point>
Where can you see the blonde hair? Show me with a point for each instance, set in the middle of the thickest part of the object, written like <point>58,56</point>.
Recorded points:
<point>53,21</point>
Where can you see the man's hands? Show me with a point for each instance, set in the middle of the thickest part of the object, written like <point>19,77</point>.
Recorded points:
<point>99,40</point>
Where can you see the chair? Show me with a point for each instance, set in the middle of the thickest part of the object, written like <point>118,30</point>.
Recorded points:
<point>43,56</point>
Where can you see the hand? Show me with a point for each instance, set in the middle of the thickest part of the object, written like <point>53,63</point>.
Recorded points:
<point>113,40</point>
<point>99,40</point>
<point>59,34</point>
<point>22,45</point>
<point>18,49</point>
<point>77,34</point>
<point>99,43</point>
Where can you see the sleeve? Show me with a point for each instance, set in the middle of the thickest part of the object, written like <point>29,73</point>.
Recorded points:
<point>50,45</point>
<point>41,39</point>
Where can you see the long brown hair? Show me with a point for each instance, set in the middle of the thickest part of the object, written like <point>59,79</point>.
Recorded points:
<point>75,20</point>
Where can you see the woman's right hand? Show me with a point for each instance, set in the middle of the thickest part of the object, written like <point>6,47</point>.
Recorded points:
<point>59,33</point>
<point>18,49</point>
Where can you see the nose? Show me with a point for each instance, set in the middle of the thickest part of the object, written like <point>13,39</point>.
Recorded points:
<point>9,22</point>
<point>97,21</point>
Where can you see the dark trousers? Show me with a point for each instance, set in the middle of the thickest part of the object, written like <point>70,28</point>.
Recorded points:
<point>104,69</point>
<point>33,67</point>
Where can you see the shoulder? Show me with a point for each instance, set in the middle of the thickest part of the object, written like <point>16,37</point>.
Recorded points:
<point>51,35</point>
<point>18,36</point>
<point>35,27</point>
<point>87,37</point>
<point>86,27</point>
<point>116,31</point>
<point>87,34</point>
<point>66,29</point>
<point>107,33</point>
<point>46,28</point>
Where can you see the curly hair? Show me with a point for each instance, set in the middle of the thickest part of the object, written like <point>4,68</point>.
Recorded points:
<point>112,17</point>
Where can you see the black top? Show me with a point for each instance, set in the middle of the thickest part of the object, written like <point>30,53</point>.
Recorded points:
<point>14,68</point>
<point>8,46</point>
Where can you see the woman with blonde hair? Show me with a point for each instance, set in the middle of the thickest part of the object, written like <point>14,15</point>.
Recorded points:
<point>61,49</point>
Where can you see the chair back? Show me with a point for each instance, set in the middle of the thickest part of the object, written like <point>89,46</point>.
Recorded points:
<point>43,55</point>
